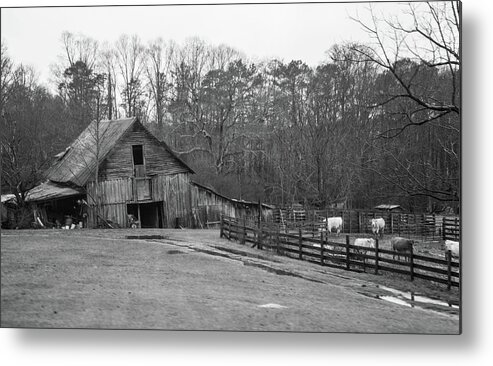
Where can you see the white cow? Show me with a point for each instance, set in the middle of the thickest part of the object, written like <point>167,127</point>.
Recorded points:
<point>453,246</point>
<point>378,226</point>
<point>333,223</point>
<point>364,244</point>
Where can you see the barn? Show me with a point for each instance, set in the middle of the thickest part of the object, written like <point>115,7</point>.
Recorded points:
<point>117,168</point>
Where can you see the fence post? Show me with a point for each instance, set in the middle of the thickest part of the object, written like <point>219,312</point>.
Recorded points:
<point>347,252</point>
<point>322,248</point>
<point>411,263</point>
<point>229,229</point>
<point>399,225</point>
<point>278,239</point>
<point>221,233</point>
<point>243,239</point>
<point>259,236</point>
<point>313,226</point>
<point>434,226</point>
<point>300,245</point>
<point>415,225</point>
<point>423,226</point>
<point>359,222</point>
<point>448,255</point>
<point>376,256</point>
<point>391,223</point>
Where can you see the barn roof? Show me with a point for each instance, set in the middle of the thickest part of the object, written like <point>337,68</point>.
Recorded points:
<point>49,191</point>
<point>8,197</point>
<point>233,200</point>
<point>78,161</point>
<point>387,207</point>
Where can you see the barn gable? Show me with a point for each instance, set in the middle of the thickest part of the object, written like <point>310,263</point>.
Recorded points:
<point>76,165</point>
<point>158,158</point>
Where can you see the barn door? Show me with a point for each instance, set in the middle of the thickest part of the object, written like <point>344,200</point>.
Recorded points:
<point>142,188</point>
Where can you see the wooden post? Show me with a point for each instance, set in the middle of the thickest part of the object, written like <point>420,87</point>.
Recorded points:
<point>347,253</point>
<point>259,212</point>
<point>443,228</point>
<point>221,233</point>
<point>434,226</point>
<point>278,241</point>
<point>411,263</point>
<point>376,256</point>
<point>448,257</point>
<point>243,239</point>
<point>322,248</point>
<point>229,229</point>
<point>138,214</point>
<point>391,223</point>
<point>300,244</point>
<point>349,212</point>
<point>259,238</point>
<point>423,225</point>
<point>399,225</point>
<point>359,222</point>
<point>415,225</point>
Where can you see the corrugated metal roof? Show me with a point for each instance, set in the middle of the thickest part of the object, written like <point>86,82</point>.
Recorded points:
<point>76,164</point>
<point>234,200</point>
<point>49,190</point>
<point>387,207</point>
<point>78,161</point>
<point>8,197</point>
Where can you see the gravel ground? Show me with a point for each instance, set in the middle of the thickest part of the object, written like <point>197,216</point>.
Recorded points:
<point>192,280</point>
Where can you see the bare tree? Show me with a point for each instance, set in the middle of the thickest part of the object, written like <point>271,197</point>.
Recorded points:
<point>130,57</point>
<point>428,34</point>
<point>6,76</point>
<point>108,66</point>
<point>160,56</point>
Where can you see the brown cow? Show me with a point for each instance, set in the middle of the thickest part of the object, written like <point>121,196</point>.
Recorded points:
<point>401,245</point>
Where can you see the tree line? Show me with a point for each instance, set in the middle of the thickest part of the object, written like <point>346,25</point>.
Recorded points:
<point>375,123</point>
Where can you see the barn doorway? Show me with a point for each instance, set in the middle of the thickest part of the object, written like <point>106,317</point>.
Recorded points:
<point>150,215</point>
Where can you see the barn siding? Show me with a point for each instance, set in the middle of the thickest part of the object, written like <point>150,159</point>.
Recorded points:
<point>192,205</point>
<point>172,190</point>
<point>157,159</point>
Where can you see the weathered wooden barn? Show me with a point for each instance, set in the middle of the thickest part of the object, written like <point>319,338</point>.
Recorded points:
<point>137,175</point>
<point>208,205</point>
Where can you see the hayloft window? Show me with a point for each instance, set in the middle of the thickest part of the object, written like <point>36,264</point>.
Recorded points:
<point>138,156</point>
<point>138,153</point>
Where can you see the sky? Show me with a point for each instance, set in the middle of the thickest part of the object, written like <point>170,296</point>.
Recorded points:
<point>262,31</point>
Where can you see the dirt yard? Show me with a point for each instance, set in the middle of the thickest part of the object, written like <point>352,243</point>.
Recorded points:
<point>192,280</point>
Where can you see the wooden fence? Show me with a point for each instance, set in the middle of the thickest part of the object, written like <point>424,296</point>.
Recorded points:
<point>357,221</point>
<point>318,249</point>
<point>451,228</point>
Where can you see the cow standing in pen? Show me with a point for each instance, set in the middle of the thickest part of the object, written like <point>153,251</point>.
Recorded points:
<point>333,223</point>
<point>378,226</point>
<point>401,246</point>
<point>363,245</point>
<point>453,246</point>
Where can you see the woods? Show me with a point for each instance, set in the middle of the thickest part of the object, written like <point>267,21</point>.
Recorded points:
<point>375,123</point>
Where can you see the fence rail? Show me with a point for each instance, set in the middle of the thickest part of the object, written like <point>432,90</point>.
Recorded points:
<point>451,228</point>
<point>306,246</point>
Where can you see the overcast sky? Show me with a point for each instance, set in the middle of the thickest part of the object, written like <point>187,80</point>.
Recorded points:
<point>283,31</point>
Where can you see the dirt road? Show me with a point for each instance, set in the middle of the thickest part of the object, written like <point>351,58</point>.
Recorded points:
<point>192,280</point>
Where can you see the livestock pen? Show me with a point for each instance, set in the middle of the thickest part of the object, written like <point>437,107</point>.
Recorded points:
<point>317,248</point>
<point>417,225</point>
